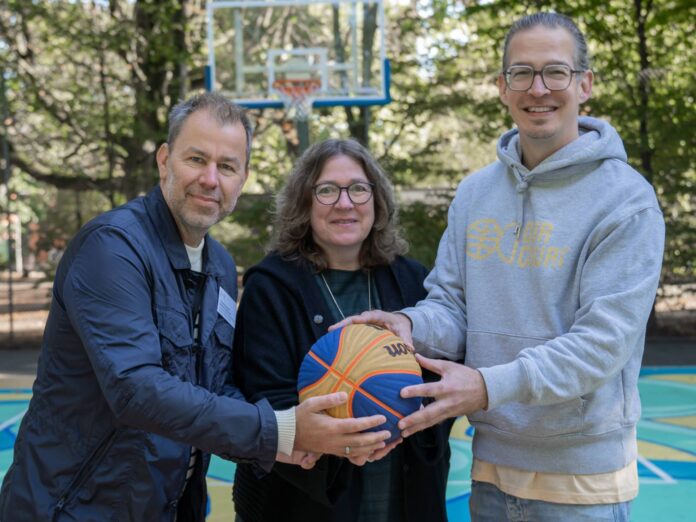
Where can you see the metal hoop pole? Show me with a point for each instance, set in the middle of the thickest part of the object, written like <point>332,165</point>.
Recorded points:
<point>302,127</point>
<point>297,95</point>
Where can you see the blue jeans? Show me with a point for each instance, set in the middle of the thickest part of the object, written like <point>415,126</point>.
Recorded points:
<point>489,504</point>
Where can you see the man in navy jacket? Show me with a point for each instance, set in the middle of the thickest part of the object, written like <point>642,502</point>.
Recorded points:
<point>132,392</point>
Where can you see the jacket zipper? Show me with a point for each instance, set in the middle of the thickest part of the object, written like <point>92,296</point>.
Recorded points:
<point>83,473</point>
<point>196,352</point>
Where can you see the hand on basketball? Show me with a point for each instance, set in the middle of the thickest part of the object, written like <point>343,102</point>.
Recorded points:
<point>460,391</point>
<point>396,323</point>
<point>319,433</point>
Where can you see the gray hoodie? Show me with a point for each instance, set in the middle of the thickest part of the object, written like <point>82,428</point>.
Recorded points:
<point>545,279</point>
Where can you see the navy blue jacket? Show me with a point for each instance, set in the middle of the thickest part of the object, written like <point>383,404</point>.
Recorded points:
<point>282,313</point>
<point>123,389</point>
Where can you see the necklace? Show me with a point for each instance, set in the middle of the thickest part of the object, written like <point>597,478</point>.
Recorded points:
<point>369,294</point>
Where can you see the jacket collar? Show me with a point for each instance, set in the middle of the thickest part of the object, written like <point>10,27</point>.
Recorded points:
<point>164,224</point>
<point>211,263</point>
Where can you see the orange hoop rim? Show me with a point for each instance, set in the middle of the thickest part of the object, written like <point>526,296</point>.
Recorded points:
<point>297,88</point>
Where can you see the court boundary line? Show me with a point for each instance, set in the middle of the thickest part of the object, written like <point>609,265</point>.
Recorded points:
<point>666,477</point>
<point>12,421</point>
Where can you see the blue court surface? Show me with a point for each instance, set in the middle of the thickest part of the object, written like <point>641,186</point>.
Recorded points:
<point>666,444</point>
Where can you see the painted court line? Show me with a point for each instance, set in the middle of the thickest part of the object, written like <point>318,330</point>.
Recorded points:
<point>13,420</point>
<point>657,471</point>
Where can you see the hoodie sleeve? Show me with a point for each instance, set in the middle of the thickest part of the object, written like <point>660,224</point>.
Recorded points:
<point>618,282</point>
<point>439,321</point>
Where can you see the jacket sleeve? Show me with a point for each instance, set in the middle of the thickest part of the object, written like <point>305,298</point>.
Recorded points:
<point>618,282</point>
<point>107,296</point>
<point>271,325</point>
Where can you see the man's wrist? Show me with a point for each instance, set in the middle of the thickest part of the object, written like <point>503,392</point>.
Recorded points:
<point>410,323</point>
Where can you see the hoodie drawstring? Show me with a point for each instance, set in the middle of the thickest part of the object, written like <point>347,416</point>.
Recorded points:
<point>521,188</point>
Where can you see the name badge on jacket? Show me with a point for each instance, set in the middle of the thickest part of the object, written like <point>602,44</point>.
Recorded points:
<point>227,308</point>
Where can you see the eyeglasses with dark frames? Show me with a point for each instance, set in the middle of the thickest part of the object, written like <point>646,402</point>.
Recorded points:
<point>359,192</point>
<point>555,77</point>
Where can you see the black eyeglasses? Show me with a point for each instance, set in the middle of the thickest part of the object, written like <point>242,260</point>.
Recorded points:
<point>359,192</point>
<point>556,77</point>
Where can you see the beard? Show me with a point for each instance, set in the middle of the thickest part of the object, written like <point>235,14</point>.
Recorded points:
<point>193,216</point>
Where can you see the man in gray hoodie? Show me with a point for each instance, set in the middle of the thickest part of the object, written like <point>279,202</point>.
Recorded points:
<point>543,283</point>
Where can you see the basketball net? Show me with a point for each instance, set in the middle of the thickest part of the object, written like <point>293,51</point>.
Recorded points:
<point>297,96</point>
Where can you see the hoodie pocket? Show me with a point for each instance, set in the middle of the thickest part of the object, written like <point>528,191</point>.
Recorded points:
<point>487,349</point>
<point>551,420</point>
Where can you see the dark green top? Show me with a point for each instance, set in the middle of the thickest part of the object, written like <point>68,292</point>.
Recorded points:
<point>382,492</point>
<point>349,288</point>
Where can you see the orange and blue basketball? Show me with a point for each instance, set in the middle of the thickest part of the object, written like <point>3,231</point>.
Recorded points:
<point>371,365</point>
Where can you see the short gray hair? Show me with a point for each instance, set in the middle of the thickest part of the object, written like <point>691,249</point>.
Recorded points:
<point>221,108</point>
<point>552,21</point>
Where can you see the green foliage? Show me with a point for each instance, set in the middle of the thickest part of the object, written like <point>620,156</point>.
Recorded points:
<point>247,232</point>
<point>90,84</point>
<point>423,225</point>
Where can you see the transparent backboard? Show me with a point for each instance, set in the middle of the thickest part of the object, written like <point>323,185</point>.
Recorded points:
<point>255,46</point>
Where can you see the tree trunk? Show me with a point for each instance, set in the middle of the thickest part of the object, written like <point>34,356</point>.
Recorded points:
<point>646,152</point>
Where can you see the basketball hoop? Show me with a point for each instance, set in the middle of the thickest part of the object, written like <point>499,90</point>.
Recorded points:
<point>297,95</point>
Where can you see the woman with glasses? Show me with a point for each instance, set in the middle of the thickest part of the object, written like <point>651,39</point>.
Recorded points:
<point>336,252</point>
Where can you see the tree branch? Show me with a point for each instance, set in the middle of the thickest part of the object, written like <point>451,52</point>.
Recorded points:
<point>62,181</point>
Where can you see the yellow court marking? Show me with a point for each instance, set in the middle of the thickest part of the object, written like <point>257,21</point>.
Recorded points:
<point>684,378</point>
<point>15,397</point>
<point>459,429</point>
<point>221,501</point>
<point>652,451</point>
<point>688,421</point>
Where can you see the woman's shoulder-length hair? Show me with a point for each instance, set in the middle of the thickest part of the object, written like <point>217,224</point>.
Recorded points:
<point>292,237</point>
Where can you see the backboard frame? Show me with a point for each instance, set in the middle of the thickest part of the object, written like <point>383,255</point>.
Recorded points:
<point>270,99</point>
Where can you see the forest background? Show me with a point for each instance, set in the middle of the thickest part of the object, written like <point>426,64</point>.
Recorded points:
<point>88,85</point>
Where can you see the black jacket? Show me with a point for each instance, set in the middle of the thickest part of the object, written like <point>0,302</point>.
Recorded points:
<point>282,313</point>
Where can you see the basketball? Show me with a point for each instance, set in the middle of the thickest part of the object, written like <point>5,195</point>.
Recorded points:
<point>371,365</point>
